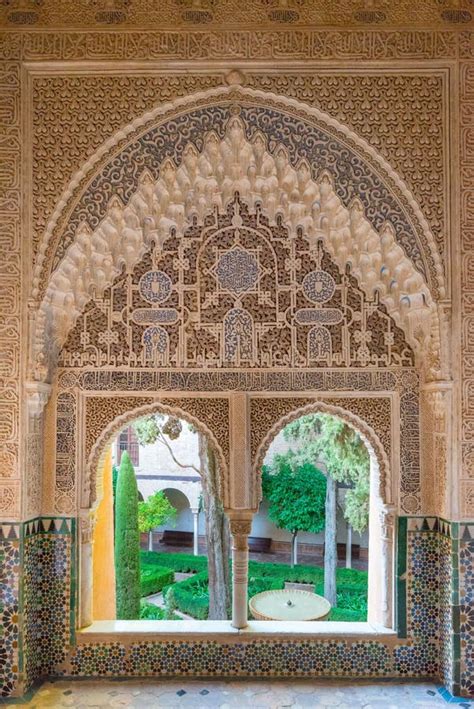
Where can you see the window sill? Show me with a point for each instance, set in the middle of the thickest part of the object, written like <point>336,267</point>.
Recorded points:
<point>146,629</point>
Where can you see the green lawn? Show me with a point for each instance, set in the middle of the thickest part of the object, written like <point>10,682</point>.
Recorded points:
<point>191,595</point>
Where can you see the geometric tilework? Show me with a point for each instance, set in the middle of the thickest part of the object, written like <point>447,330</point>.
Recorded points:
<point>47,593</point>
<point>428,547</point>
<point>423,591</point>
<point>446,645</point>
<point>466,591</point>
<point>9,607</point>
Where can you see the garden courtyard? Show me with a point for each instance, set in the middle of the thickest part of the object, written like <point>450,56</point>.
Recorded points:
<point>158,578</point>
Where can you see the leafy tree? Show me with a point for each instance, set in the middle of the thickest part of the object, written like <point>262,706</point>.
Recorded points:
<point>114,486</point>
<point>296,492</point>
<point>328,439</point>
<point>162,429</point>
<point>155,511</point>
<point>127,543</point>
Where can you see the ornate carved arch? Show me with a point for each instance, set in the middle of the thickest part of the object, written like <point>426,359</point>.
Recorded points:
<point>88,252</point>
<point>368,435</point>
<point>90,484</point>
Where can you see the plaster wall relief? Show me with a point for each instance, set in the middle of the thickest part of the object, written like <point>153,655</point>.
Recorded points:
<point>436,411</point>
<point>325,281</point>
<point>466,483</point>
<point>377,109</point>
<point>295,14</point>
<point>319,211</point>
<point>10,288</point>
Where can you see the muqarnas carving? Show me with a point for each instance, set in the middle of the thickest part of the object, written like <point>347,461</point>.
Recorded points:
<point>236,292</point>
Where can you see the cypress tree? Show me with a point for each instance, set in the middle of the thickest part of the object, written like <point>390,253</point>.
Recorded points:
<point>127,543</point>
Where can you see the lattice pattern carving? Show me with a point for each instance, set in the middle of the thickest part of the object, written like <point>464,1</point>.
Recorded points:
<point>262,15</point>
<point>466,488</point>
<point>320,139</point>
<point>236,293</point>
<point>369,416</point>
<point>378,259</point>
<point>66,432</point>
<point>10,285</point>
<point>61,128</point>
<point>106,416</point>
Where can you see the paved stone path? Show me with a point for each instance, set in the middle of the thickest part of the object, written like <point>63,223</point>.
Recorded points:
<point>240,693</point>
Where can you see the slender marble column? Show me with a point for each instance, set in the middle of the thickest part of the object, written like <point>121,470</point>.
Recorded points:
<point>240,530</point>
<point>387,524</point>
<point>196,531</point>
<point>85,589</point>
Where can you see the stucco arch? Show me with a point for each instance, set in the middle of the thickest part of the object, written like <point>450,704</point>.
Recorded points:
<point>283,184</point>
<point>91,484</point>
<point>378,455</point>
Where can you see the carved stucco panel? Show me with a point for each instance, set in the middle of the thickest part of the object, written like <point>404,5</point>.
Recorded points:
<point>269,415</point>
<point>10,287</point>
<point>374,106</point>
<point>105,417</point>
<point>466,486</point>
<point>190,126</point>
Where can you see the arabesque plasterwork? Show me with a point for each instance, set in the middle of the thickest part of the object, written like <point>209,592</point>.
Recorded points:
<point>57,102</point>
<point>396,95</point>
<point>323,135</point>
<point>304,204</point>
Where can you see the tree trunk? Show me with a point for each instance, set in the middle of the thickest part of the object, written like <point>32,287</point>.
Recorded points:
<point>349,547</point>
<point>217,536</point>
<point>294,548</point>
<point>330,547</point>
<point>150,540</point>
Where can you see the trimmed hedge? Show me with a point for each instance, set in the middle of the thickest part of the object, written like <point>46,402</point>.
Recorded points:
<point>192,596</point>
<point>186,563</point>
<point>345,614</point>
<point>148,611</point>
<point>154,578</point>
<point>347,579</point>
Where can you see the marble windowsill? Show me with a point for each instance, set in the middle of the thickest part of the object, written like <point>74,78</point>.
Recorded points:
<point>99,629</point>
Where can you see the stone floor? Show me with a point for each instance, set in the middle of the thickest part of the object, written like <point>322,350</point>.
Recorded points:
<point>243,693</point>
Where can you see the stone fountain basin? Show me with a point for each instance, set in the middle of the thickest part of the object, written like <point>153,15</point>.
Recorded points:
<point>289,604</point>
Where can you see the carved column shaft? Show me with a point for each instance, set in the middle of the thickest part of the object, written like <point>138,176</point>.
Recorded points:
<point>240,530</point>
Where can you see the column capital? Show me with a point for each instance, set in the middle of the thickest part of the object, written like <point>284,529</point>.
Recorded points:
<point>240,521</point>
<point>37,395</point>
<point>240,527</point>
<point>387,521</point>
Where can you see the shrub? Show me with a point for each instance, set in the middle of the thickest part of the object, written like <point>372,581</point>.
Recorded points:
<point>260,584</point>
<point>185,563</point>
<point>192,597</point>
<point>127,543</point>
<point>343,614</point>
<point>154,578</point>
<point>148,611</point>
<point>263,576</point>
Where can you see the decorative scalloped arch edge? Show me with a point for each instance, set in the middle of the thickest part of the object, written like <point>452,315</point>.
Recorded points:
<point>374,446</point>
<point>178,105</point>
<point>89,488</point>
<point>208,179</point>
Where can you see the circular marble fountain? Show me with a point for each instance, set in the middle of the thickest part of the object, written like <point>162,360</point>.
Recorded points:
<point>289,604</point>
